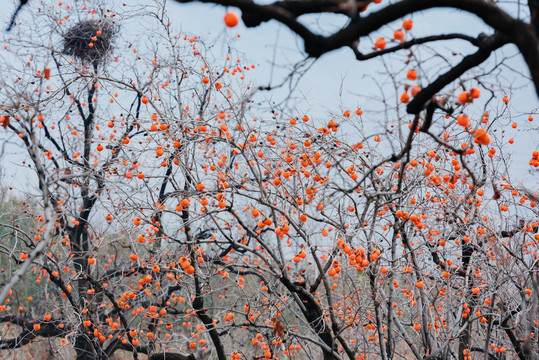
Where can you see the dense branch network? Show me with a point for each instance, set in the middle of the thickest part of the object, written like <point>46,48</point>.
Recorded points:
<point>183,216</point>
<point>508,30</point>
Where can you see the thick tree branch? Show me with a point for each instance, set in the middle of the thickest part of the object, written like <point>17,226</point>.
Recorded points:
<point>28,333</point>
<point>533,5</point>
<point>488,45</point>
<point>15,13</point>
<point>516,31</point>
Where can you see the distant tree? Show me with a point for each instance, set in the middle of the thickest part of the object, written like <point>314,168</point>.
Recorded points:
<point>176,216</point>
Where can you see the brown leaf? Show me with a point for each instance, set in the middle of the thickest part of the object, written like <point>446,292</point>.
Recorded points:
<point>4,120</point>
<point>278,329</point>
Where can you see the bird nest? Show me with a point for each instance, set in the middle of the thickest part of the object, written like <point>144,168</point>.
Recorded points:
<point>89,40</point>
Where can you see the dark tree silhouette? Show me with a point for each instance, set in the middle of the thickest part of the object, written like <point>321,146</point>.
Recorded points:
<point>507,29</point>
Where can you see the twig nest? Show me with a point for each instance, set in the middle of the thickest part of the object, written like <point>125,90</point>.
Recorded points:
<point>89,40</point>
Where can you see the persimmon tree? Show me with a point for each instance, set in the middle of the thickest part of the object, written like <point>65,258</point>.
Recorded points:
<point>516,23</point>
<point>174,216</point>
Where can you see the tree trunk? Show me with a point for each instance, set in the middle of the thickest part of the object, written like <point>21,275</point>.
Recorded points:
<point>84,349</point>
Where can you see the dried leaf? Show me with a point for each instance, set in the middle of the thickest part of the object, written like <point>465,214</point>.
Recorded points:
<point>4,120</point>
<point>278,329</point>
